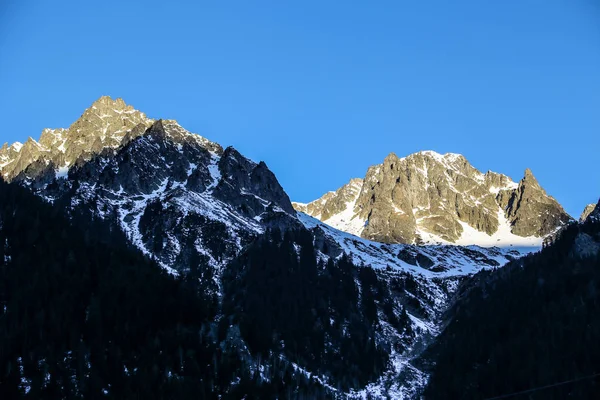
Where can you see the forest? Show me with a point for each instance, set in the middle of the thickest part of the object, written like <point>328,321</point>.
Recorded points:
<point>83,314</point>
<point>528,325</point>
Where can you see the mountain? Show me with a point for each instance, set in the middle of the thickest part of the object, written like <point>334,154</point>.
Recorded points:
<point>427,197</point>
<point>173,192</point>
<point>529,326</point>
<point>84,314</point>
<point>587,211</point>
<point>287,321</point>
<point>106,124</point>
<point>291,303</point>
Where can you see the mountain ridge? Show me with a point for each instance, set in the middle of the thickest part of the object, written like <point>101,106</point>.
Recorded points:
<point>588,210</point>
<point>157,180</point>
<point>198,210</point>
<point>427,197</point>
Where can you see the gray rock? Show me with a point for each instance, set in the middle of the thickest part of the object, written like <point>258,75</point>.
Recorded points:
<point>531,211</point>
<point>428,197</point>
<point>173,192</point>
<point>595,214</point>
<point>106,124</point>
<point>587,211</point>
<point>332,203</point>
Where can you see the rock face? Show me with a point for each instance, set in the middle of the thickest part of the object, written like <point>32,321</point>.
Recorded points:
<point>177,195</point>
<point>531,211</point>
<point>427,197</point>
<point>335,206</point>
<point>587,211</point>
<point>107,123</point>
<point>595,214</point>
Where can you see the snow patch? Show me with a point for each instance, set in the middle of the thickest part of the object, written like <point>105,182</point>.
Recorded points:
<point>503,237</point>
<point>62,172</point>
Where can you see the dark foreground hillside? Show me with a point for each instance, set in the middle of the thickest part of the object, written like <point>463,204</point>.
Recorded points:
<point>83,314</point>
<point>533,323</point>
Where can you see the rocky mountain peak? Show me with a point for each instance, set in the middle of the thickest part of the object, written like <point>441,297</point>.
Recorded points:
<point>390,158</point>
<point>51,137</point>
<point>591,212</point>
<point>173,192</point>
<point>335,203</point>
<point>8,152</point>
<point>108,120</point>
<point>531,210</point>
<point>530,180</point>
<point>427,197</point>
<point>107,123</point>
<point>587,211</point>
<point>107,102</point>
<point>158,129</point>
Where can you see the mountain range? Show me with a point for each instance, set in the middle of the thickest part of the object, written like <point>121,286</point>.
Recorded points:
<point>427,197</point>
<point>391,249</point>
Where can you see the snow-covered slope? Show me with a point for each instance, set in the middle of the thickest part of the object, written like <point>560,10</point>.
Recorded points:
<point>430,261</point>
<point>435,270</point>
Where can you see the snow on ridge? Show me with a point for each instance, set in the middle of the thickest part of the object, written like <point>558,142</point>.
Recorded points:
<point>58,140</point>
<point>434,154</point>
<point>347,220</point>
<point>456,260</point>
<point>503,237</point>
<point>131,207</point>
<point>402,379</point>
<point>17,146</point>
<point>213,169</point>
<point>171,124</point>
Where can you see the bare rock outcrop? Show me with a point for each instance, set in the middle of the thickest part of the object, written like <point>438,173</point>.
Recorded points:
<point>429,197</point>
<point>587,211</point>
<point>107,123</point>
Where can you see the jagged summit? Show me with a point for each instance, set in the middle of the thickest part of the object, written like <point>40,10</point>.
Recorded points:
<point>529,179</point>
<point>173,192</point>
<point>107,101</point>
<point>106,124</point>
<point>591,212</point>
<point>587,211</point>
<point>435,154</point>
<point>427,197</point>
<point>335,205</point>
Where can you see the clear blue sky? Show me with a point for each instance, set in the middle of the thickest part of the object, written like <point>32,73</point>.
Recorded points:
<point>320,90</point>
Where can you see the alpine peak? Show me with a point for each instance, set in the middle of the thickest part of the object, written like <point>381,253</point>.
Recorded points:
<point>427,197</point>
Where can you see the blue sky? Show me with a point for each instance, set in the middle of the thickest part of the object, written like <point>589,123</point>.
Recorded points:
<point>320,90</point>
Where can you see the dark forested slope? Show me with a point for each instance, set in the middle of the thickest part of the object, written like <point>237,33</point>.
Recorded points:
<point>84,314</point>
<point>533,323</point>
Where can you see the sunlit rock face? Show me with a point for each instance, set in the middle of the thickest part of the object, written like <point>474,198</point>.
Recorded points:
<point>176,194</point>
<point>427,197</point>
